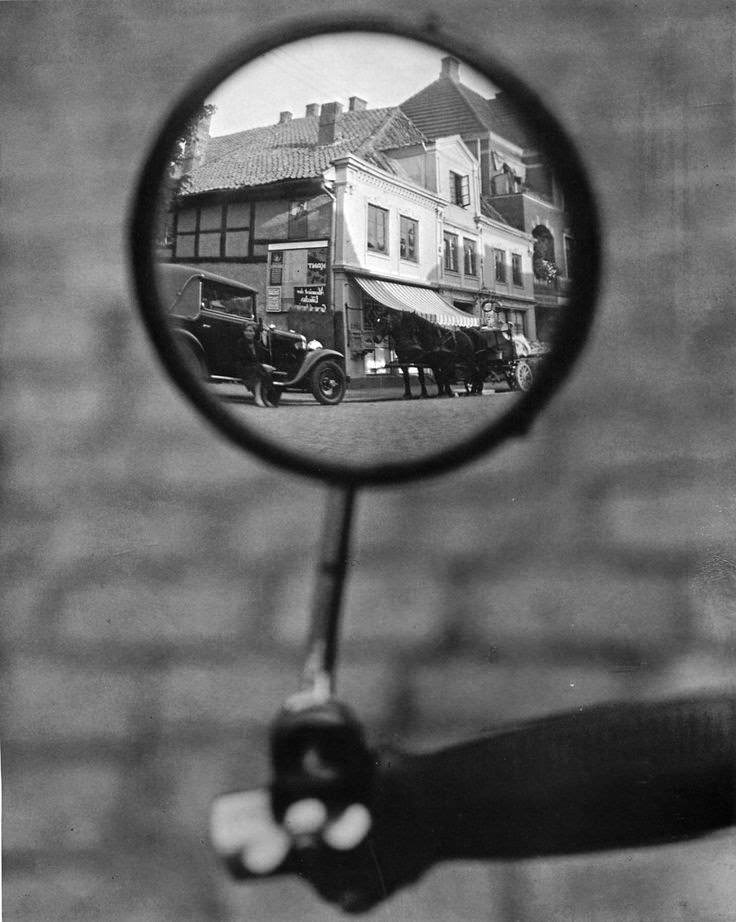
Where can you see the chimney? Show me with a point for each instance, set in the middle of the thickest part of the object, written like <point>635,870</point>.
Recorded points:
<point>195,146</point>
<point>312,109</point>
<point>451,69</point>
<point>284,117</point>
<point>328,133</point>
<point>356,104</point>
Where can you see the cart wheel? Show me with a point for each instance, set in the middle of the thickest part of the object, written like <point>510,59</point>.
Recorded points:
<point>523,376</point>
<point>327,383</point>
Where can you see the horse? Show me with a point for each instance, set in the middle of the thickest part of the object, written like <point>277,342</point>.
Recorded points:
<point>417,343</point>
<point>457,357</point>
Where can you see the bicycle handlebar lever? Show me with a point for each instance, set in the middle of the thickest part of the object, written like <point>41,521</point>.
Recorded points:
<point>319,751</point>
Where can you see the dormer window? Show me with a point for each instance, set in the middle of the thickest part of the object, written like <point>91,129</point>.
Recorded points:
<point>459,189</point>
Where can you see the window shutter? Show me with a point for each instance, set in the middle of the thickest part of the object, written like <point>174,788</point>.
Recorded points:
<point>464,190</point>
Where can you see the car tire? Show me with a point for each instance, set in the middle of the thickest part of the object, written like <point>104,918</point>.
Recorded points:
<point>194,362</point>
<point>327,383</point>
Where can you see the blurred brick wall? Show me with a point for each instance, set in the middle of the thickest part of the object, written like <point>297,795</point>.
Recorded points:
<point>155,581</point>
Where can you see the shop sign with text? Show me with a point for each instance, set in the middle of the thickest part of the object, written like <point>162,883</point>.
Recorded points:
<point>310,297</point>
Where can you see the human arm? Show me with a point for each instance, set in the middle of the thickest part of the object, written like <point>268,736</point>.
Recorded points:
<point>615,776</point>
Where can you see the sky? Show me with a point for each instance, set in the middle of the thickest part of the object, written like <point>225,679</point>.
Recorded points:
<point>382,69</point>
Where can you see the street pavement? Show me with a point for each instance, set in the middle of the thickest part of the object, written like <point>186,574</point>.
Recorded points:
<point>371,426</point>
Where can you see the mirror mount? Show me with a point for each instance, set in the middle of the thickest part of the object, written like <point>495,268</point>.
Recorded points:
<point>318,676</point>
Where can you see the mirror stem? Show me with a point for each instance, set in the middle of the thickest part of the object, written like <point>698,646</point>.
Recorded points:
<point>318,678</point>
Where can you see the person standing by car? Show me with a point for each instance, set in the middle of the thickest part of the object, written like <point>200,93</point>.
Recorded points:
<point>256,375</point>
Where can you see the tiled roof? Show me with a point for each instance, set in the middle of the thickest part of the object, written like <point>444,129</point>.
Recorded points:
<point>285,151</point>
<point>505,122</point>
<point>447,107</point>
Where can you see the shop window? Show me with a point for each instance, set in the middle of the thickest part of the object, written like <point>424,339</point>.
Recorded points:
<point>499,260</point>
<point>470,258</point>
<point>377,229</point>
<point>408,235</point>
<point>516,269</point>
<point>450,252</point>
<point>459,189</point>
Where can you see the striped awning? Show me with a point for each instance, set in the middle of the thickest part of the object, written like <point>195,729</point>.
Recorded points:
<point>424,301</point>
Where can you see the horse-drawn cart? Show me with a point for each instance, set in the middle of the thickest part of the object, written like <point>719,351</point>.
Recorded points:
<point>467,355</point>
<point>500,357</point>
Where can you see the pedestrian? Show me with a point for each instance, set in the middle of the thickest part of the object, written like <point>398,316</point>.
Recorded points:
<point>255,374</point>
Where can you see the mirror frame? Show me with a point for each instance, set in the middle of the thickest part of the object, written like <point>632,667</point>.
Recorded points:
<point>571,333</point>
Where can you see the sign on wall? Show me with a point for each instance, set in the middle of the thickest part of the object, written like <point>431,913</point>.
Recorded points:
<point>273,298</point>
<point>317,267</point>
<point>298,268</point>
<point>310,297</point>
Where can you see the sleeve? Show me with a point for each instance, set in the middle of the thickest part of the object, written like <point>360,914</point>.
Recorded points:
<point>602,778</point>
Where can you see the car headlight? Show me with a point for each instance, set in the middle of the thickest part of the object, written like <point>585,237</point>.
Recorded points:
<point>314,344</point>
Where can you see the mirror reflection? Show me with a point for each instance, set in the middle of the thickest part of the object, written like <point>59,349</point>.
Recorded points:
<point>363,250</point>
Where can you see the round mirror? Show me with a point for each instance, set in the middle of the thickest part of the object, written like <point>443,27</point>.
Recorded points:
<point>365,256</point>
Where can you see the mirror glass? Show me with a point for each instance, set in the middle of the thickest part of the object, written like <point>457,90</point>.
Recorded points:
<point>363,249</point>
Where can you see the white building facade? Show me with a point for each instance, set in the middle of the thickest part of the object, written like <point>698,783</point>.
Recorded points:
<point>416,239</point>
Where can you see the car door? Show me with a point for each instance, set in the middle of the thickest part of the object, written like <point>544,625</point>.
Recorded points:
<point>219,329</point>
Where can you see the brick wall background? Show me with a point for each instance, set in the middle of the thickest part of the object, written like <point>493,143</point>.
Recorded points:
<point>155,581</point>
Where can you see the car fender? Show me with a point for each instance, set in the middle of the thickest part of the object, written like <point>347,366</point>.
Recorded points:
<point>188,340</point>
<point>310,360</point>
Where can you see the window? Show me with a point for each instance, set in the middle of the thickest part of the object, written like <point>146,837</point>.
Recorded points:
<point>459,189</point>
<point>450,250</point>
<point>470,259</point>
<point>219,297</point>
<point>517,318</point>
<point>516,269</point>
<point>499,258</point>
<point>298,220</point>
<point>377,229</point>
<point>408,232</point>
<point>214,232</point>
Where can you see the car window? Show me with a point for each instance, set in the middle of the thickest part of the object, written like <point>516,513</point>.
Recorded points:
<point>218,297</point>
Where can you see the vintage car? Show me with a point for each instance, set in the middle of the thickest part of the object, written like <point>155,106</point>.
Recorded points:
<point>213,316</point>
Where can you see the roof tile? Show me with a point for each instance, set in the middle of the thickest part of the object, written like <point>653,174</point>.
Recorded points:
<point>290,150</point>
<point>446,107</point>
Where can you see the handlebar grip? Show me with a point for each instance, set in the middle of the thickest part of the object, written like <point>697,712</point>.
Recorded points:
<point>320,751</point>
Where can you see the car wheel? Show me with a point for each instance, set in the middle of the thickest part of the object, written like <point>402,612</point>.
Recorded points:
<point>327,383</point>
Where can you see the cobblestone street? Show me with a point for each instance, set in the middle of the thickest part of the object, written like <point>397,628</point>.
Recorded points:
<point>372,431</point>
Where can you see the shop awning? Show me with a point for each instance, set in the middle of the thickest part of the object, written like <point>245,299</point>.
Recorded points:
<point>424,301</point>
